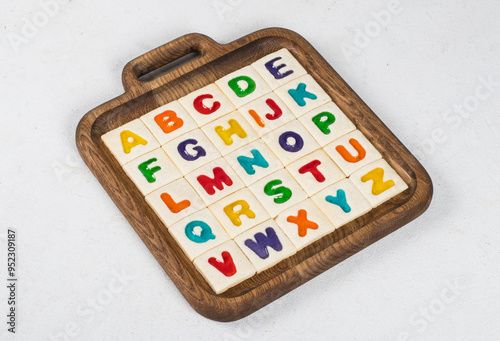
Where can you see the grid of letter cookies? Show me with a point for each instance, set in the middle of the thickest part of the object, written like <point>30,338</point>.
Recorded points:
<point>248,170</point>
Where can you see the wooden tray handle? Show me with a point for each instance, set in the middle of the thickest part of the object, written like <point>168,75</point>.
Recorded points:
<point>197,43</point>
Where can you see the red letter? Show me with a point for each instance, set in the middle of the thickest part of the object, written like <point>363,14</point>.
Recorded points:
<point>202,108</point>
<point>227,267</point>
<point>312,167</point>
<point>277,110</point>
<point>219,177</point>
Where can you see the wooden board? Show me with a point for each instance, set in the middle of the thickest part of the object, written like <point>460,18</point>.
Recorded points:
<point>215,61</point>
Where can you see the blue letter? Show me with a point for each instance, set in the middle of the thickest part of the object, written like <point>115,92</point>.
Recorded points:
<point>339,200</point>
<point>199,236</point>
<point>248,162</point>
<point>300,94</point>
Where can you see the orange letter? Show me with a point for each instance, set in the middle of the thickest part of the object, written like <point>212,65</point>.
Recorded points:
<point>169,121</point>
<point>348,156</point>
<point>174,207</point>
<point>302,222</point>
<point>256,118</point>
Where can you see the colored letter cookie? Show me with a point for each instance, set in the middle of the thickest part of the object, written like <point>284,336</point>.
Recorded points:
<point>239,211</point>
<point>214,181</point>
<point>207,104</point>
<point>265,245</point>
<point>191,151</point>
<point>152,170</point>
<point>315,171</point>
<point>168,122</point>
<point>302,95</point>
<point>224,266</point>
<point>378,182</point>
<point>279,68</point>
<point>304,223</point>
<point>277,192</point>
<point>253,162</point>
<point>175,201</point>
<point>342,202</point>
<point>198,233</point>
<point>130,141</point>
<point>243,86</point>
<point>327,123</point>
<point>290,142</point>
<point>352,151</point>
<point>229,132</point>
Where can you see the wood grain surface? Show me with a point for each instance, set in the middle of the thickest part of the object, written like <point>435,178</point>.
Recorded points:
<point>215,61</point>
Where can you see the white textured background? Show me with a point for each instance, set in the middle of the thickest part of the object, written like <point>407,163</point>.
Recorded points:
<point>414,71</point>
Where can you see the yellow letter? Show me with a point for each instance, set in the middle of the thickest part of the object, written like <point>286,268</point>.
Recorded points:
<point>379,185</point>
<point>130,140</point>
<point>234,128</point>
<point>234,216</point>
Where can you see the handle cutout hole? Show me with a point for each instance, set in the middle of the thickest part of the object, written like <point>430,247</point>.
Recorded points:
<point>164,69</point>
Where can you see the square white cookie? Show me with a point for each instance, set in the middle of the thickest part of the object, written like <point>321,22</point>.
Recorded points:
<point>151,171</point>
<point>304,223</point>
<point>266,113</point>
<point>342,202</point>
<point>239,212</point>
<point>130,141</point>
<point>290,142</point>
<point>327,123</point>
<point>224,266</point>
<point>214,181</point>
<point>378,182</point>
<point>265,245</point>
<point>198,233</point>
<point>191,151</point>
<point>175,201</point>
<point>206,104</point>
<point>277,192</point>
<point>243,86</point>
<point>229,132</point>
<point>302,95</point>
<point>352,151</point>
<point>278,68</point>
<point>315,171</point>
<point>168,122</point>
<point>253,162</point>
